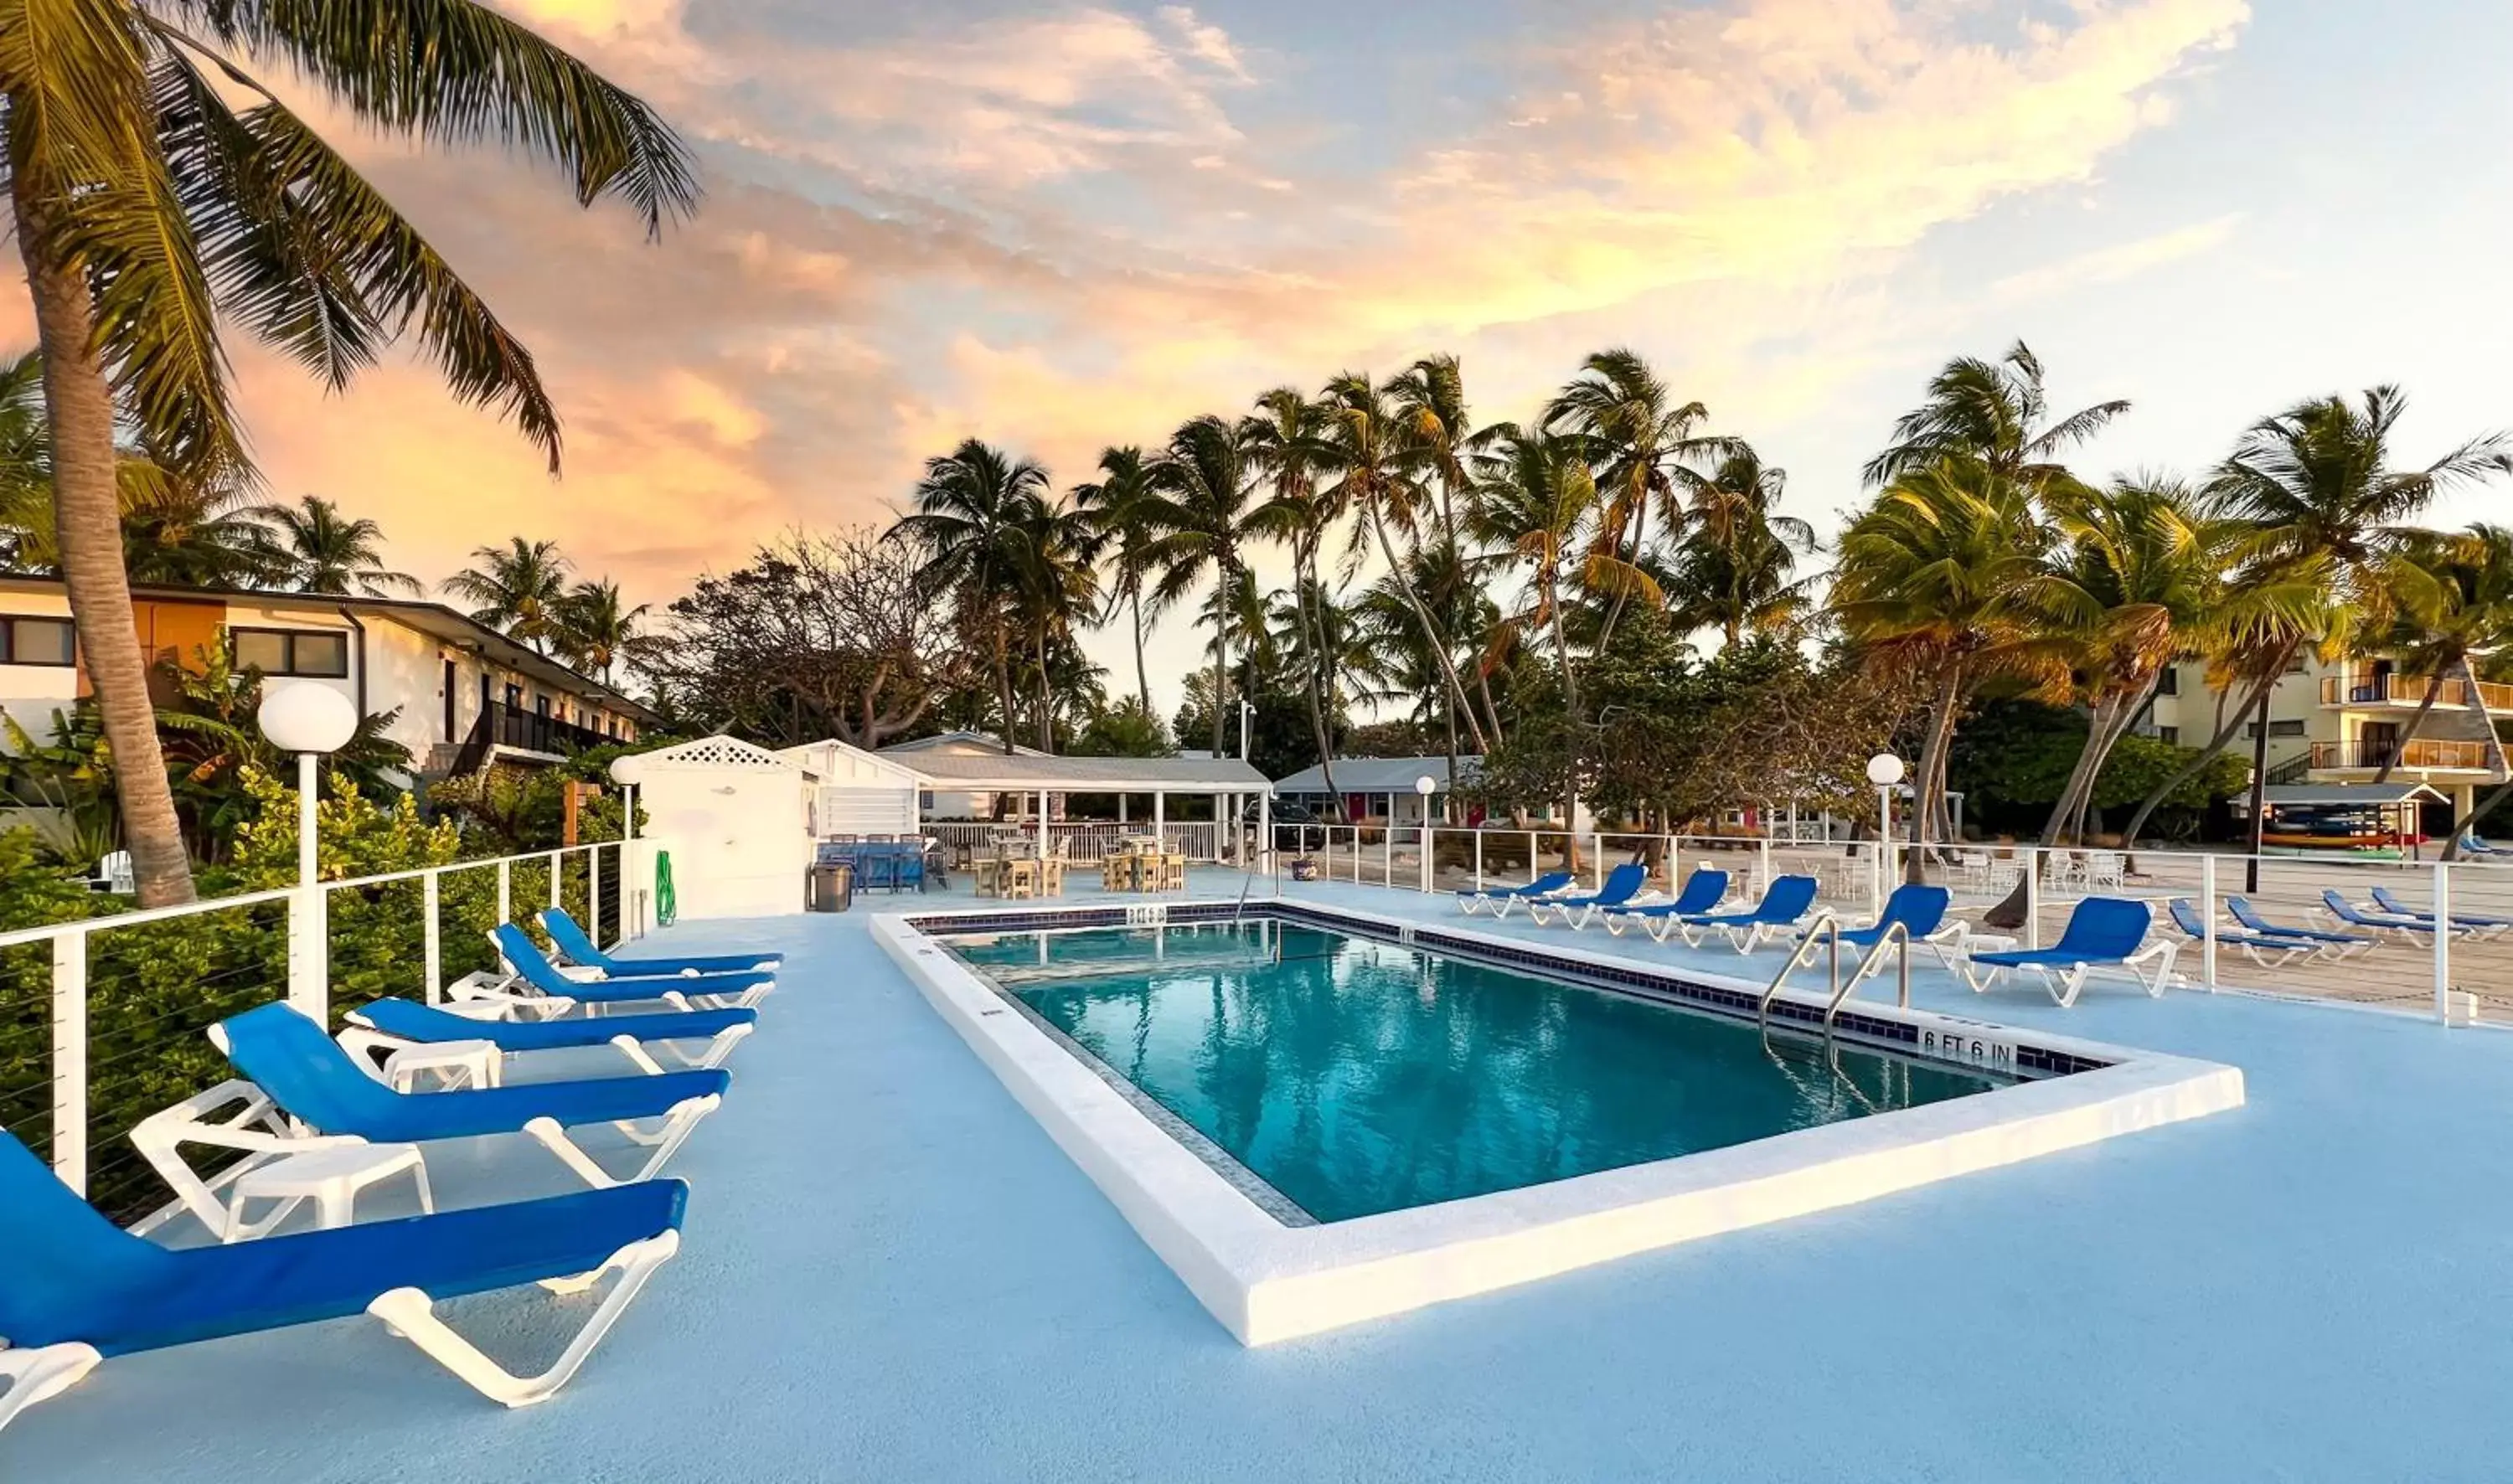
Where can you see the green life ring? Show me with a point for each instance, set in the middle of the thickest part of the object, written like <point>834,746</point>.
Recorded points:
<point>667,906</point>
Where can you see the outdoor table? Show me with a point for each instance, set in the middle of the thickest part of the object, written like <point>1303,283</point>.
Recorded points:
<point>331,1178</point>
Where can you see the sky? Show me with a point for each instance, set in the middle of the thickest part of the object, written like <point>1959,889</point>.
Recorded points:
<point>1061,226</point>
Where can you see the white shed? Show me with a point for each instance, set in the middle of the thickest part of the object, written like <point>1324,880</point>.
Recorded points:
<point>854,792</point>
<point>736,819</point>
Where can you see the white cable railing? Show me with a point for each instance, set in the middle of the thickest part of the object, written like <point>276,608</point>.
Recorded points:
<point>2364,950</point>
<point>103,1018</point>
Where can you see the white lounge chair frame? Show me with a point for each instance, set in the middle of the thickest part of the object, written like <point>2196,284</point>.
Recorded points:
<point>365,1041</point>
<point>2066,985</point>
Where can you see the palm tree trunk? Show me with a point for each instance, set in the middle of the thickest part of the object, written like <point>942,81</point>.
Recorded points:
<point>1142,676</point>
<point>87,513</point>
<point>1313,640</point>
<point>1423,615</point>
<point>2259,790</point>
<point>1221,653</point>
<point>2425,708</point>
<point>2217,744</point>
<point>1933,754</point>
<point>1004,685</point>
<point>1491,711</point>
<point>1046,699</point>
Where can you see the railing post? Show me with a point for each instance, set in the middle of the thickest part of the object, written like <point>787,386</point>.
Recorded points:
<point>2032,895</point>
<point>593,893</point>
<point>309,954</point>
<point>1597,858</point>
<point>1762,864</point>
<point>1430,838</point>
<point>1387,851</point>
<point>69,1058</point>
<point>1674,877</point>
<point>558,874</point>
<point>1479,859</point>
<point>505,906</point>
<point>432,947</point>
<point>2208,920</point>
<point>2443,942</point>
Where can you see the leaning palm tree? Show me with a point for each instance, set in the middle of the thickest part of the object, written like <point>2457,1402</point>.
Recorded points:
<point>1943,577</point>
<point>1121,502</point>
<point>595,629</point>
<point>314,549</point>
<point>1636,432</point>
<point>518,588</point>
<point>2316,486</point>
<point>149,208</point>
<point>1996,413</point>
<point>1376,467</point>
<point>1537,498</point>
<point>1208,517</point>
<point>969,526</point>
<point>1057,589</point>
<point>1288,435</point>
<point>2436,634</point>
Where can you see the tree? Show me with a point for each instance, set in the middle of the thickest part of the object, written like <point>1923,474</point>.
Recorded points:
<point>595,630</point>
<point>1209,517</point>
<point>1943,578</point>
<point>313,549</point>
<point>1126,729</point>
<point>1735,561</point>
<point>973,509</point>
<point>148,208</point>
<point>1123,503</point>
<point>1057,580</point>
<point>817,636</point>
<point>1635,431</point>
<point>1288,433</point>
<point>1995,412</point>
<point>519,589</point>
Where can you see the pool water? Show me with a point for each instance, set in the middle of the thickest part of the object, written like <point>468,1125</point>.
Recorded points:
<point>1356,1076</point>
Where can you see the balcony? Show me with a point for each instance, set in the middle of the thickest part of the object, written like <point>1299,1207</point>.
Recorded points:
<point>2422,755</point>
<point>517,730</point>
<point>2409,691</point>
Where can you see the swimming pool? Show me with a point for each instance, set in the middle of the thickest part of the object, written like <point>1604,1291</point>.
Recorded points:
<point>1352,1076</point>
<point>1443,1110</point>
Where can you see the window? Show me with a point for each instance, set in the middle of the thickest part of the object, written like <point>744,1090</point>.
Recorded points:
<point>2277,729</point>
<point>2168,680</point>
<point>37,642</point>
<point>314,653</point>
<point>2170,735</point>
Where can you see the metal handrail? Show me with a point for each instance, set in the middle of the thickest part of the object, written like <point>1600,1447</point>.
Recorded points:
<point>1897,932</point>
<point>1801,955</point>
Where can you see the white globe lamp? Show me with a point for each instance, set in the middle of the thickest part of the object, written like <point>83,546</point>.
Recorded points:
<point>629,772</point>
<point>310,721</point>
<point>1885,770</point>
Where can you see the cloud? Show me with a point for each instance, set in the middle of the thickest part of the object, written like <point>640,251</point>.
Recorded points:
<point>2109,266</point>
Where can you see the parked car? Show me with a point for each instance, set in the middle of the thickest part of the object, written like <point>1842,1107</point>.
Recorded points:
<point>1287,812</point>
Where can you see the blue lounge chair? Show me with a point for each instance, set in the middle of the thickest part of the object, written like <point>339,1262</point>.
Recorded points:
<point>2377,923</point>
<point>2332,945</point>
<point>1703,890</point>
<point>2471,844</point>
<point>1786,900</point>
<point>2103,932</point>
<point>390,1026</point>
<point>541,989</point>
<point>75,1289</point>
<point>2475,925</point>
<point>1921,911</point>
<point>314,1080</point>
<point>579,948</point>
<point>1622,885</point>
<point>2253,945</point>
<point>1500,898</point>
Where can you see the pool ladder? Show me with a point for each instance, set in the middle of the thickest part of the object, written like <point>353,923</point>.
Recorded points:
<point>1826,931</point>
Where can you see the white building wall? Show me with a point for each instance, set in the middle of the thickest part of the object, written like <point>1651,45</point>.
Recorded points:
<point>30,694</point>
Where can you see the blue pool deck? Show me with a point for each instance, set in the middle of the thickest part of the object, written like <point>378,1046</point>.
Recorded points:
<point>891,1274</point>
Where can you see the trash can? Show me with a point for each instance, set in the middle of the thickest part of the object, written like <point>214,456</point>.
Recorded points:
<point>833,886</point>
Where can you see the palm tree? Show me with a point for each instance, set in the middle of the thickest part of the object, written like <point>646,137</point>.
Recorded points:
<point>148,209</point>
<point>1735,561</point>
<point>594,628</point>
<point>1122,503</point>
<point>519,589</point>
<point>2315,484</point>
<point>1375,462</point>
<point>1944,574</point>
<point>1537,498</point>
<point>1431,401</point>
<point>1288,434</point>
<point>2475,567</point>
<point>973,507</point>
<point>313,549</point>
<point>1209,516</point>
<point>1056,582</point>
<point>1996,413</point>
<point>25,466</point>
<point>1636,431</point>
<point>190,532</point>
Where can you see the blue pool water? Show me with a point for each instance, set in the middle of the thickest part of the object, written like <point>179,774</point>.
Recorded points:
<point>1355,1077</point>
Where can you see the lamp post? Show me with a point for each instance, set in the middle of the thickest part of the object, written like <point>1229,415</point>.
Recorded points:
<point>1424,786</point>
<point>1883,771</point>
<point>309,719</point>
<point>629,772</point>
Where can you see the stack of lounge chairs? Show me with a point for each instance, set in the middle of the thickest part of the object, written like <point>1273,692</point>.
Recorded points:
<point>75,1289</point>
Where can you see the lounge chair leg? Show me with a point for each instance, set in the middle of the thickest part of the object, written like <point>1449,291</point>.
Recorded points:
<point>2065,987</point>
<point>41,1374</point>
<point>633,1049</point>
<point>410,1313</point>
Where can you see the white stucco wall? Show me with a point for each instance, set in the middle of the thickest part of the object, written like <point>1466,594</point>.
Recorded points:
<point>30,694</point>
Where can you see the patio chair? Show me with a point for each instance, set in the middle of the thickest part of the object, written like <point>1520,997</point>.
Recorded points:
<point>76,1288</point>
<point>2334,946</point>
<point>390,1025</point>
<point>2103,933</point>
<point>2471,844</point>
<point>1500,898</point>
<point>2476,924</point>
<point>540,988</point>
<point>1784,902</point>
<point>2104,869</point>
<point>1703,890</point>
<point>2378,923</point>
<point>1921,910</point>
<point>1172,872</point>
<point>1622,885</point>
<point>2253,945</point>
<point>285,1055</point>
<point>579,949</point>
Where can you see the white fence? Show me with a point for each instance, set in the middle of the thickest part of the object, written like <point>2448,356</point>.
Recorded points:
<point>103,1020</point>
<point>2457,976</point>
